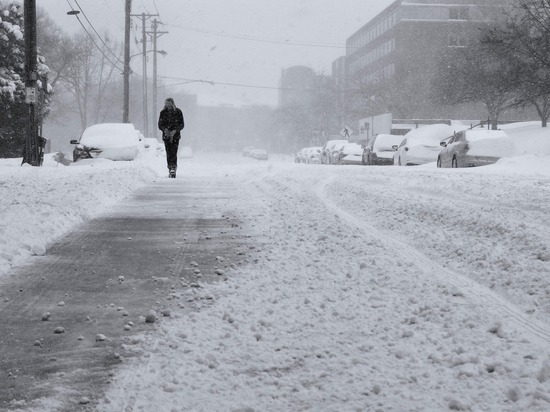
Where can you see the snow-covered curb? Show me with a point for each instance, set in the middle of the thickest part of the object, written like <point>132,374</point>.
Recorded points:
<point>41,204</point>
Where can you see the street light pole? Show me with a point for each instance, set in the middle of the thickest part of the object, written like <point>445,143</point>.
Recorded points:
<point>154,74</point>
<point>145,114</point>
<point>32,149</point>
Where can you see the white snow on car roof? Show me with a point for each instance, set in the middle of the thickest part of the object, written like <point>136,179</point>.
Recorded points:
<point>384,142</point>
<point>432,133</point>
<point>112,135</point>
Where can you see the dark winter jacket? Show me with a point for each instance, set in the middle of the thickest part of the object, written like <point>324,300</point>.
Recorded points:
<point>171,120</point>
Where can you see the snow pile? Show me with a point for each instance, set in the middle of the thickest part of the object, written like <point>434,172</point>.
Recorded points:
<point>40,204</point>
<point>530,138</point>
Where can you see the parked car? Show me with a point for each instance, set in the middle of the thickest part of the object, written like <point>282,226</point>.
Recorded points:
<point>475,147</point>
<point>381,150</point>
<point>350,154</point>
<point>247,150</point>
<point>314,155</point>
<point>309,155</point>
<point>334,153</point>
<point>422,145</point>
<point>259,154</point>
<point>300,155</point>
<point>114,141</point>
<point>328,148</point>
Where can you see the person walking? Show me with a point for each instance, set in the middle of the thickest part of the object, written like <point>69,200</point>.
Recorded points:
<point>170,124</point>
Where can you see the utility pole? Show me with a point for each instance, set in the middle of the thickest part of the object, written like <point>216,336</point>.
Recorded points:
<point>126,93</point>
<point>144,17</point>
<point>145,114</point>
<point>32,149</point>
<point>155,35</point>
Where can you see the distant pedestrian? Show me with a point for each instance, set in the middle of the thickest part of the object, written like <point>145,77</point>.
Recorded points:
<point>170,124</point>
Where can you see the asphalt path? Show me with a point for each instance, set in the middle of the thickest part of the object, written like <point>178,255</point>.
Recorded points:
<point>66,317</point>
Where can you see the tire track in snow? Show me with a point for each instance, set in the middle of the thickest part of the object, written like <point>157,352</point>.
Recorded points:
<point>532,327</point>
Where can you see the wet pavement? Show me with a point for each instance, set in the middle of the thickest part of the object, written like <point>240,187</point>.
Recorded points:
<point>98,284</point>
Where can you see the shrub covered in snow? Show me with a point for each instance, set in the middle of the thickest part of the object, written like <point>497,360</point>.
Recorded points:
<point>13,110</point>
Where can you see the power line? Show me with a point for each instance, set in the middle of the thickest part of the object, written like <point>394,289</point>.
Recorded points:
<point>187,81</point>
<point>155,4</point>
<point>145,8</point>
<point>258,39</point>
<point>93,41</point>
<point>95,31</point>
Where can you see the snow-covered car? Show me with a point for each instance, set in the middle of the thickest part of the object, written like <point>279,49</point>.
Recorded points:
<point>313,155</point>
<point>114,141</point>
<point>247,150</point>
<point>381,150</point>
<point>259,154</point>
<point>350,154</point>
<point>328,149</point>
<point>475,147</point>
<point>300,155</point>
<point>422,145</point>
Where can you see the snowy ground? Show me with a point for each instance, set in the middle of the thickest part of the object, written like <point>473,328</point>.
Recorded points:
<point>371,288</point>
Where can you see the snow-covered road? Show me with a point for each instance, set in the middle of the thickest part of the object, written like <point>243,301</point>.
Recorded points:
<point>370,289</point>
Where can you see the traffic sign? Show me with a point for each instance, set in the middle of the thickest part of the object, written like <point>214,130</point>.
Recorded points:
<point>346,132</point>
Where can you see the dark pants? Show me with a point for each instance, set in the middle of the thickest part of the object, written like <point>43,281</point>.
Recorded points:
<point>171,153</point>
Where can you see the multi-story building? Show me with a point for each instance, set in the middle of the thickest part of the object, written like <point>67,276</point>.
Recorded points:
<point>396,54</point>
<point>295,86</point>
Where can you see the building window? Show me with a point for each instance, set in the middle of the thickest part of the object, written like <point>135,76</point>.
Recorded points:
<point>459,13</point>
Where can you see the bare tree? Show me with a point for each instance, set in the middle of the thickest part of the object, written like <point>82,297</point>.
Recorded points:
<point>89,77</point>
<point>525,37</point>
<point>478,74</point>
<point>323,110</point>
<point>55,45</point>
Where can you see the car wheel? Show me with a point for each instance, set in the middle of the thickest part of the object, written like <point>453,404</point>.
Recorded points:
<point>438,162</point>
<point>454,162</point>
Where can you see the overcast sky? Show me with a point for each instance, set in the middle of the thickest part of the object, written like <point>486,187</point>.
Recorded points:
<point>230,41</point>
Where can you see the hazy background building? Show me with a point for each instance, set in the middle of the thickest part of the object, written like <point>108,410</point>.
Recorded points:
<point>393,58</point>
<point>295,86</point>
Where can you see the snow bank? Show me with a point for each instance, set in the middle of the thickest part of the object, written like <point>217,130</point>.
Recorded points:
<point>40,204</point>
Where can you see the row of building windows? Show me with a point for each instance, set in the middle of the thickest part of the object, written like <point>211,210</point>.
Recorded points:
<point>454,40</point>
<point>436,12</point>
<point>372,33</point>
<point>384,73</point>
<point>425,13</point>
<point>374,55</point>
